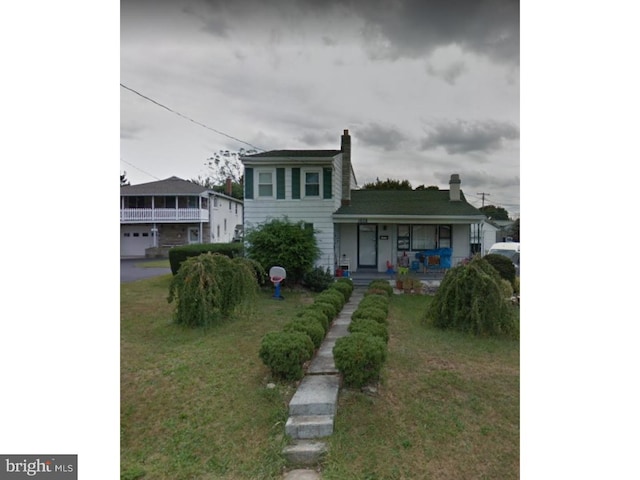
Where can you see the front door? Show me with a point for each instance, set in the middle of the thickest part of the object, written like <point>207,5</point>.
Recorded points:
<point>367,245</point>
<point>194,235</point>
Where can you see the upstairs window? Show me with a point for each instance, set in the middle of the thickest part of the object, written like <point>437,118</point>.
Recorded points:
<point>265,184</point>
<point>312,184</point>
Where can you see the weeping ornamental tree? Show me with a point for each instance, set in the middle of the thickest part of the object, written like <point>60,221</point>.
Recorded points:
<point>209,287</point>
<point>471,299</point>
<point>285,244</point>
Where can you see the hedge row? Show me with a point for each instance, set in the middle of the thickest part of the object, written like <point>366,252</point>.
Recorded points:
<point>286,351</point>
<point>360,356</point>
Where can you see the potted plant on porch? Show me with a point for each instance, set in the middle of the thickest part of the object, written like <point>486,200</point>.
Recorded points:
<point>402,277</point>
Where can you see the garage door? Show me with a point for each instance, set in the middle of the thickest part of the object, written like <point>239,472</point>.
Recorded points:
<point>134,241</point>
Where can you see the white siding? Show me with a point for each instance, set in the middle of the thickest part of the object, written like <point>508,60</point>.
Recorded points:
<point>220,213</point>
<point>316,211</point>
<point>386,248</point>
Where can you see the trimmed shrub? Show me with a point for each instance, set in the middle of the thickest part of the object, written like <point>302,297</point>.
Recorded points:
<point>359,357</point>
<point>377,301</point>
<point>503,265</point>
<point>285,353</point>
<point>177,255</point>
<point>370,327</point>
<point>317,315</point>
<point>344,286</point>
<point>332,296</point>
<point>370,313</point>
<point>317,279</point>
<point>470,299</point>
<point>207,288</point>
<point>310,326</point>
<point>329,309</point>
<point>380,285</point>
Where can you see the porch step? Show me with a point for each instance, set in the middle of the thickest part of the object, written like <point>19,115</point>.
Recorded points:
<point>305,452</point>
<point>309,426</point>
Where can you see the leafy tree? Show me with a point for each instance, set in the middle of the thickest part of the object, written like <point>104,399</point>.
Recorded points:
<point>495,213</point>
<point>388,184</point>
<point>515,230</point>
<point>471,299</point>
<point>209,287</point>
<point>237,190</point>
<point>280,242</point>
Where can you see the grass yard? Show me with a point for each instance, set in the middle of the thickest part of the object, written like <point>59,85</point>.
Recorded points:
<point>447,408</point>
<point>194,403</point>
<point>161,263</point>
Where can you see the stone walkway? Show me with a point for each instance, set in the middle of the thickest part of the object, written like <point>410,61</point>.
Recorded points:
<point>313,407</point>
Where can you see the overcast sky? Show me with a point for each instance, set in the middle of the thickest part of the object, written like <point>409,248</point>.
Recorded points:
<point>426,88</point>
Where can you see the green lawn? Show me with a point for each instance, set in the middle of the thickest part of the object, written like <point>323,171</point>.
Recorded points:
<point>194,403</point>
<point>161,263</point>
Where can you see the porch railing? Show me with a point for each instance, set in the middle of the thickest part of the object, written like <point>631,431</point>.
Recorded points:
<point>163,215</point>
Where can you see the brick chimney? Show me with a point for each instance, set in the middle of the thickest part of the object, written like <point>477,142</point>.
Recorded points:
<point>454,188</point>
<point>345,146</point>
<point>229,187</point>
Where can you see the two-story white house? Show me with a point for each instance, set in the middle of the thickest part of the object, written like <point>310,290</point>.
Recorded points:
<point>356,229</point>
<point>158,215</point>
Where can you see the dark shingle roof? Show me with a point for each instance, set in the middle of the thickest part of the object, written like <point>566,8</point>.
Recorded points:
<point>409,202</point>
<point>294,154</point>
<point>168,186</point>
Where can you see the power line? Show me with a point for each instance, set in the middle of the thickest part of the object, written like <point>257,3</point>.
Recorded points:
<point>146,173</point>
<point>189,118</point>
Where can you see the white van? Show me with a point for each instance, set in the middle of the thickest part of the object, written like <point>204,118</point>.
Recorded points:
<point>510,250</point>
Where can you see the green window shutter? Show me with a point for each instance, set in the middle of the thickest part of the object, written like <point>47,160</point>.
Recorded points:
<point>280,193</point>
<point>248,183</point>
<point>327,186</point>
<point>295,183</point>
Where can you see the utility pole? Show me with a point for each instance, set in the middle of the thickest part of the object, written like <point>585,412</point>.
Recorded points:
<point>483,194</point>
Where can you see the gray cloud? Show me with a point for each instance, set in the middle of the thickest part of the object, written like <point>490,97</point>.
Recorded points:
<point>462,136</point>
<point>386,137</point>
<point>318,139</point>
<point>130,132</point>
<point>475,179</point>
<point>416,27</point>
<point>390,30</point>
<point>450,73</point>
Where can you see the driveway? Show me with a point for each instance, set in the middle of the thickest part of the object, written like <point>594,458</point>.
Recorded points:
<point>129,272</point>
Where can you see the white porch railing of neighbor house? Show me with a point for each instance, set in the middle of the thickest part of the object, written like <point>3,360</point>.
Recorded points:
<point>164,215</point>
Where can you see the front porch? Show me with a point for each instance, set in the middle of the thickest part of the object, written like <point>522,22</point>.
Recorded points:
<point>364,276</point>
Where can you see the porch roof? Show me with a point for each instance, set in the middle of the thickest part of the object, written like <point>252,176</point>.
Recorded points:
<point>406,203</point>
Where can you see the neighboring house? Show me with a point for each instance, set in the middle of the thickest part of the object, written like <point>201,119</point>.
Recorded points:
<point>158,215</point>
<point>504,230</point>
<point>488,235</point>
<point>355,228</point>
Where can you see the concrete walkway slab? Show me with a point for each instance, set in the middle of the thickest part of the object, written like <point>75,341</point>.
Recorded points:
<point>316,395</point>
<point>302,475</point>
